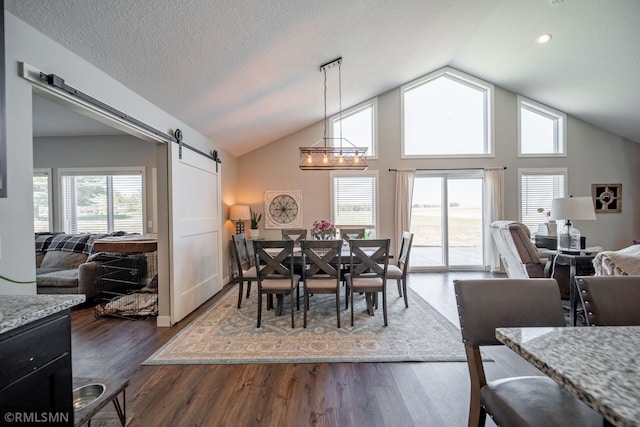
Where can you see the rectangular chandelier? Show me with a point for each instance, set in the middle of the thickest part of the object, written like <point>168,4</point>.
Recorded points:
<point>333,158</point>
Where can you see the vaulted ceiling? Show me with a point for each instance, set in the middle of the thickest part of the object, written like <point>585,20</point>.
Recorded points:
<point>246,72</point>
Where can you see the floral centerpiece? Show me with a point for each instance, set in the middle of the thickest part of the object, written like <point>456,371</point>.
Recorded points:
<point>323,230</point>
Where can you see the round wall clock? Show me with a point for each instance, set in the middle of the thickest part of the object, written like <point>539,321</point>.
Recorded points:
<point>283,208</point>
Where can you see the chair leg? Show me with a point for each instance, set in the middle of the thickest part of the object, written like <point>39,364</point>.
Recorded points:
<point>399,287</point>
<point>248,288</point>
<point>352,307</point>
<point>259,307</point>
<point>346,296</point>
<point>384,306</point>
<point>306,307</point>
<point>239,294</point>
<point>404,290</point>
<point>293,325</point>
<point>338,305</point>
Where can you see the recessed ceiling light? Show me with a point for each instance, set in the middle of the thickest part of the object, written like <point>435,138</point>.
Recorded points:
<point>544,38</point>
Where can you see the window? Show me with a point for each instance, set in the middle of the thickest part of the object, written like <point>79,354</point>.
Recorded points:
<point>358,126</point>
<point>354,201</point>
<point>541,130</point>
<point>447,114</point>
<point>42,200</point>
<point>102,201</point>
<point>537,188</point>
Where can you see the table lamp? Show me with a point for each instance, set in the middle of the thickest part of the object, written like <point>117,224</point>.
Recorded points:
<point>239,214</point>
<point>570,209</point>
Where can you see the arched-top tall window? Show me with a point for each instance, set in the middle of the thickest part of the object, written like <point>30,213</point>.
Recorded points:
<point>447,114</point>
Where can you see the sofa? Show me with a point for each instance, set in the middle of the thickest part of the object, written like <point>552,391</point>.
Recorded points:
<point>62,266</point>
<point>624,262</point>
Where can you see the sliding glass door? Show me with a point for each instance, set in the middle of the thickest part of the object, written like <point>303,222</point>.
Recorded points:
<point>446,219</point>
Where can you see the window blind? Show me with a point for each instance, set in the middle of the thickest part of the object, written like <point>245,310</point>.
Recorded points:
<point>102,203</point>
<point>537,192</point>
<point>354,201</point>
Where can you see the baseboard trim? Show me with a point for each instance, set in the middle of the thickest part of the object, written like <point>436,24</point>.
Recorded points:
<point>163,322</point>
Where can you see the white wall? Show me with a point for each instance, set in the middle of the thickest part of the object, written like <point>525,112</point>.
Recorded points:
<point>23,43</point>
<point>594,156</point>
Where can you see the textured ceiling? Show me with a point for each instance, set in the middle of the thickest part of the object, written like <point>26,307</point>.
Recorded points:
<point>246,72</point>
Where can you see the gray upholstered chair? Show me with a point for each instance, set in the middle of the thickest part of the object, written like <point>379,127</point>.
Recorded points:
<point>398,271</point>
<point>487,304</point>
<point>295,234</point>
<point>369,260</point>
<point>244,264</point>
<point>274,265</point>
<point>321,272</point>
<point>610,300</point>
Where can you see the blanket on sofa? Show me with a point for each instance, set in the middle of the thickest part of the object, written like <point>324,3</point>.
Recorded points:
<point>625,262</point>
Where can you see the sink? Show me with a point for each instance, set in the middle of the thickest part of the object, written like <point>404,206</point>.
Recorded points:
<point>87,394</point>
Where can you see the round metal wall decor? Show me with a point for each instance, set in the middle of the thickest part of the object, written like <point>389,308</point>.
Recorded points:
<point>283,208</point>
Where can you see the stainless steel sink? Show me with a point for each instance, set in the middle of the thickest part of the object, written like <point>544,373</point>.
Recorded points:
<point>87,394</point>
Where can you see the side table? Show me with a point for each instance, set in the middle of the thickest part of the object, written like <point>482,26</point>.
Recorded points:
<point>579,265</point>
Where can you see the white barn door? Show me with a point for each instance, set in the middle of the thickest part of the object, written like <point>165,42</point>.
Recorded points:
<point>194,228</point>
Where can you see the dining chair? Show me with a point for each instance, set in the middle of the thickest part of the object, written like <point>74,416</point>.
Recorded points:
<point>244,264</point>
<point>487,304</point>
<point>295,234</point>
<point>368,263</point>
<point>398,271</point>
<point>347,234</point>
<point>321,272</point>
<point>610,300</point>
<point>274,266</point>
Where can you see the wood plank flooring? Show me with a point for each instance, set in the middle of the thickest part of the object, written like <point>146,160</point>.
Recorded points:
<point>318,394</point>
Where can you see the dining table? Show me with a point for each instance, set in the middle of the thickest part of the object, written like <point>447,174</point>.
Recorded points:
<point>598,364</point>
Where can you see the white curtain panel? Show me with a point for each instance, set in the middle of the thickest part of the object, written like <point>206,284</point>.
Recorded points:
<point>404,196</point>
<point>493,211</point>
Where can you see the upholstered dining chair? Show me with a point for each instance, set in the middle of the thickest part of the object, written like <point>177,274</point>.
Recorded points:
<point>244,264</point>
<point>321,272</point>
<point>610,300</point>
<point>398,271</point>
<point>487,304</point>
<point>295,234</point>
<point>274,266</point>
<point>369,260</point>
<point>347,234</point>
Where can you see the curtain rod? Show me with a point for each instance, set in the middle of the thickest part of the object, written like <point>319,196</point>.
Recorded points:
<point>447,169</point>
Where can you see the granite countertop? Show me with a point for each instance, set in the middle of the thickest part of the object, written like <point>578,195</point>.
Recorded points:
<point>598,364</point>
<point>18,310</point>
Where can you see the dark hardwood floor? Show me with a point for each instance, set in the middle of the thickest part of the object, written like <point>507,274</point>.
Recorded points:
<point>317,394</point>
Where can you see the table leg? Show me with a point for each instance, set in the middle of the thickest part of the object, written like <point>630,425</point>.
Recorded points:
<point>573,294</point>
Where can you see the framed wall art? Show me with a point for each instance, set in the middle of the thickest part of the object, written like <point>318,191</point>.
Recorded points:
<point>283,209</point>
<point>607,198</point>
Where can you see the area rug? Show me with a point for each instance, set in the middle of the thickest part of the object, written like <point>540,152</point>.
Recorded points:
<point>226,335</point>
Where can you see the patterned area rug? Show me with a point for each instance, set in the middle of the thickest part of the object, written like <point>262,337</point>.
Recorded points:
<point>226,335</point>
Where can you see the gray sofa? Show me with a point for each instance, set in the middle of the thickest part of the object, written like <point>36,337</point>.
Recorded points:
<point>65,264</point>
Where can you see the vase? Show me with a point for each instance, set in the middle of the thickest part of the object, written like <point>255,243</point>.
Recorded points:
<point>254,232</point>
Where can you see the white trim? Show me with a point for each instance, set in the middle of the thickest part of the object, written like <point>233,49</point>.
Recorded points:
<point>468,80</point>
<point>48,172</point>
<point>560,124</point>
<point>355,110</point>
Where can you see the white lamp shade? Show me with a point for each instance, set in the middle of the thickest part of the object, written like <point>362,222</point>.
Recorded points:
<point>239,213</point>
<point>573,208</point>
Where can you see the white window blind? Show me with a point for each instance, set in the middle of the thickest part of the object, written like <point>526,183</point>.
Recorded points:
<point>102,202</point>
<point>41,201</point>
<point>354,201</point>
<point>537,190</point>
